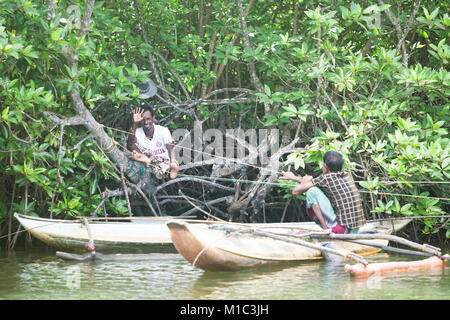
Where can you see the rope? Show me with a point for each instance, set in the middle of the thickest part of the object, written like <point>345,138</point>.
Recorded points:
<point>404,195</point>
<point>274,171</point>
<point>290,185</point>
<point>141,171</point>
<point>411,218</point>
<point>25,230</point>
<point>114,143</point>
<point>109,148</point>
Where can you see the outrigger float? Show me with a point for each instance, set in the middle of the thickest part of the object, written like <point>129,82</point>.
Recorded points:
<point>361,270</point>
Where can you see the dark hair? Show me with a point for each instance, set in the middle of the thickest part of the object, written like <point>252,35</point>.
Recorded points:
<point>333,160</point>
<point>147,107</point>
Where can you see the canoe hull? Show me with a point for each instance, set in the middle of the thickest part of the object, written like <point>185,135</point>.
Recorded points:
<point>145,236</point>
<point>77,245</point>
<point>210,259</point>
<point>219,250</point>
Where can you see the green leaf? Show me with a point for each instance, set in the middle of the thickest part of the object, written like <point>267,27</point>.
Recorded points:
<point>93,186</point>
<point>5,114</point>
<point>267,90</point>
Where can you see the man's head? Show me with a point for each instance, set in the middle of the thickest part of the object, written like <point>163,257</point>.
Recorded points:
<point>146,107</point>
<point>149,117</point>
<point>333,162</point>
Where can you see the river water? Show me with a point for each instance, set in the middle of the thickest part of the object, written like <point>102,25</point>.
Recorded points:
<point>37,274</point>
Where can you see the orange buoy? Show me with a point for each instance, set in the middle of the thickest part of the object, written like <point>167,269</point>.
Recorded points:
<point>360,270</point>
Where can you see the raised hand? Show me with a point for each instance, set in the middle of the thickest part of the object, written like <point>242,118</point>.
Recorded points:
<point>138,115</point>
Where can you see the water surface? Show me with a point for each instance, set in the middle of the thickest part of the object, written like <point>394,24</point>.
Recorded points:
<point>36,273</point>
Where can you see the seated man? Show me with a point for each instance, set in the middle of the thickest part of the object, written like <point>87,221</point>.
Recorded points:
<point>340,190</point>
<point>151,143</point>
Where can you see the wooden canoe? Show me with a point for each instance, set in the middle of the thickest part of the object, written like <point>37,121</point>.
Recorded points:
<point>137,234</point>
<point>223,248</point>
<point>149,235</point>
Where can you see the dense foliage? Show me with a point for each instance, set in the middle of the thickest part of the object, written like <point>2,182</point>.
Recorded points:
<point>367,78</point>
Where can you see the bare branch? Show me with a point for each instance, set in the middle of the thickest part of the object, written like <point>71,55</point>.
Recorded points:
<point>86,21</point>
<point>50,9</point>
<point>73,121</point>
<point>253,75</point>
<point>193,179</point>
<point>401,34</point>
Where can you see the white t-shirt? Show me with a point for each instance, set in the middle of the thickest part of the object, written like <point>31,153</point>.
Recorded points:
<point>157,145</point>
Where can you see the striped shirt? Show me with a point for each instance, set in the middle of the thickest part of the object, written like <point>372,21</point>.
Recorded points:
<point>340,188</point>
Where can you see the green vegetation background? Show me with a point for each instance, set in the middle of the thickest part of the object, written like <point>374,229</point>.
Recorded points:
<point>367,78</point>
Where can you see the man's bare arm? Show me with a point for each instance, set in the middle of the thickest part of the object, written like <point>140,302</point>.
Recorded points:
<point>305,185</point>
<point>305,182</point>
<point>132,138</point>
<point>169,147</point>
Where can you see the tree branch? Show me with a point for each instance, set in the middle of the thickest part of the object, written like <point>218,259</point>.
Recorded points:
<point>86,21</point>
<point>251,65</point>
<point>50,9</point>
<point>193,179</point>
<point>401,34</point>
<point>73,121</point>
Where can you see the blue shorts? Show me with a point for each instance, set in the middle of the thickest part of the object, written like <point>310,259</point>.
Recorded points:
<point>316,196</point>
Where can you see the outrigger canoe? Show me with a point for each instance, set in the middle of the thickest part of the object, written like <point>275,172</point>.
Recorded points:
<point>226,247</point>
<point>135,235</point>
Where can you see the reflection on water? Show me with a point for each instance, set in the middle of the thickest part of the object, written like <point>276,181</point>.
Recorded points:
<point>38,274</point>
<point>266,283</point>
